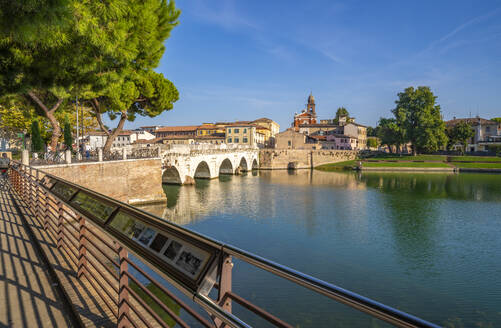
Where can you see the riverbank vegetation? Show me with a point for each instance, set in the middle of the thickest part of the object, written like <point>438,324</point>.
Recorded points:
<point>418,161</point>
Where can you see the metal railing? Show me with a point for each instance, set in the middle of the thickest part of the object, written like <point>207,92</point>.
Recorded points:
<point>99,233</point>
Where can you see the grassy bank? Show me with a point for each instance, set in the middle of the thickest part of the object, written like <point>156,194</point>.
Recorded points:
<point>404,164</point>
<point>475,159</point>
<point>437,158</point>
<point>347,165</point>
<point>419,161</point>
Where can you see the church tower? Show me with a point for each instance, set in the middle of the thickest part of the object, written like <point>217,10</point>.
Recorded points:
<point>310,107</point>
<point>308,115</point>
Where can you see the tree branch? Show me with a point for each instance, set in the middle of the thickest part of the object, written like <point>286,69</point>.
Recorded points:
<point>37,100</point>
<point>95,104</point>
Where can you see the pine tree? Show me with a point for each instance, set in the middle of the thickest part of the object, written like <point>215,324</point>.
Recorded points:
<point>36,139</point>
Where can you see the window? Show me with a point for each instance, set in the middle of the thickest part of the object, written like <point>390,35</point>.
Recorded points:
<point>237,130</point>
<point>289,143</point>
<point>245,130</point>
<point>487,129</point>
<point>244,140</point>
<point>229,131</point>
<point>229,140</point>
<point>237,140</point>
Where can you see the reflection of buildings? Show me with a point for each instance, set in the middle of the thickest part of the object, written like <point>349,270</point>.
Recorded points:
<point>228,195</point>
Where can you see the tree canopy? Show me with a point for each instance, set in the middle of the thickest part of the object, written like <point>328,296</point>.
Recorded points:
<point>105,50</point>
<point>460,133</point>
<point>390,133</point>
<point>340,112</point>
<point>134,88</point>
<point>420,119</point>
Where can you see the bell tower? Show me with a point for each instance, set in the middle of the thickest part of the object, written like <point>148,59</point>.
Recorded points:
<point>310,107</point>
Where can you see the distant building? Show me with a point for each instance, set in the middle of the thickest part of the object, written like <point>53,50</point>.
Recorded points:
<point>244,134</point>
<point>184,131</point>
<point>97,139</point>
<point>292,139</point>
<point>487,133</point>
<point>308,115</point>
<point>306,123</point>
<point>342,142</point>
<point>151,129</point>
<point>208,129</point>
<point>273,126</point>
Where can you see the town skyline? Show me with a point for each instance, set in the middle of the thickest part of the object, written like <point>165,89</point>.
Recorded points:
<point>334,53</point>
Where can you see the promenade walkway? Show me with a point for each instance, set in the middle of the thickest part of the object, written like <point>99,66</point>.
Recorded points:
<point>30,293</point>
<point>28,297</point>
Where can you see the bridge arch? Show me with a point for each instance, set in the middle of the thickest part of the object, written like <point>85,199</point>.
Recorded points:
<point>255,165</point>
<point>171,176</point>
<point>202,171</point>
<point>226,167</point>
<point>243,164</point>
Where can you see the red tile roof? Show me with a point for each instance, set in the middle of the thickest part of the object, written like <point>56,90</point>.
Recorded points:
<point>177,128</point>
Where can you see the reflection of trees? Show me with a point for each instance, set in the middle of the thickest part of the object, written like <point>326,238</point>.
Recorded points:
<point>483,187</point>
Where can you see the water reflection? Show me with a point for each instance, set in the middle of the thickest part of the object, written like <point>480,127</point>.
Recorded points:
<point>246,195</point>
<point>425,243</point>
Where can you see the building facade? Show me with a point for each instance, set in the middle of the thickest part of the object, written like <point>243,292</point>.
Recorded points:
<point>308,115</point>
<point>292,139</point>
<point>487,133</point>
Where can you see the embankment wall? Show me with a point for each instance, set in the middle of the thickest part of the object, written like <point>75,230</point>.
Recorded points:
<point>135,181</point>
<point>274,159</point>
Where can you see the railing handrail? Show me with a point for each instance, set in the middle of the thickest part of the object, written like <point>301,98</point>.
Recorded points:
<point>359,302</point>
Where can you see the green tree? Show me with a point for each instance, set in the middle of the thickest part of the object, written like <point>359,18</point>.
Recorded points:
<point>340,112</point>
<point>68,138</point>
<point>460,133</point>
<point>496,119</point>
<point>390,133</point>
<point>37,144</point>
<point>105,48</point>
<point>372,142</point>
<point>134,88</point>
<point>38,60</point>
<point>420,119</point>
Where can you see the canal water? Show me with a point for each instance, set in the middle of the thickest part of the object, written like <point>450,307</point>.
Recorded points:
<point>428,244</point>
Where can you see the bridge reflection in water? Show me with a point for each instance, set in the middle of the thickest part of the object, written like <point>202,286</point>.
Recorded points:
<point>426,242</point>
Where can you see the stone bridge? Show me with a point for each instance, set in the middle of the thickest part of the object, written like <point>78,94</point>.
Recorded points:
<point>181,164</point>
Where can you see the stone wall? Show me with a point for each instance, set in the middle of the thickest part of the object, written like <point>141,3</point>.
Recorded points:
<point>273,159</point>
<point>132,181</point>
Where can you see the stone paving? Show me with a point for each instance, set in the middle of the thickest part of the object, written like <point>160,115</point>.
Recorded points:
<point>28,297</point>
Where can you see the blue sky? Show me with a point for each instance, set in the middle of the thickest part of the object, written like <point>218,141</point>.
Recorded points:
<point>243,59</point>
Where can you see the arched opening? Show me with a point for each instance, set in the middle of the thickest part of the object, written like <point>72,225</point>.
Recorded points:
<point>171,176</point>
<point>243,165</point>
<point>254,165</point>
<point>226,167</point>
<point>202,171</point>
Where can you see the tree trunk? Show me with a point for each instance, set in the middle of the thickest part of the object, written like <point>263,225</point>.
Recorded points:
<point>97,111</point>
<point>49,113</point>
<point>114,134</point>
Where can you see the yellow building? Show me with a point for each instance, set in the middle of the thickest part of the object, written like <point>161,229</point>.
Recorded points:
<point>244,134</point>
<point>208,129</point>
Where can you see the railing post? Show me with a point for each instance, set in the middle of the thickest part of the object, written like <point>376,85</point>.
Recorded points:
<point>60,224</point>
<point>224,287</point>
<point>123,293</point>
<point>46,211</point>
<point>82,250</point>
<point>37,195</point>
